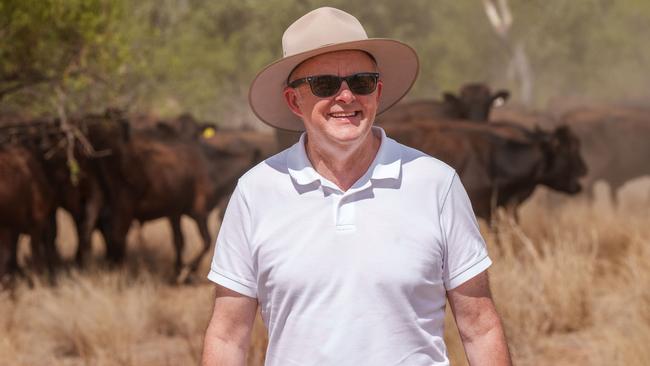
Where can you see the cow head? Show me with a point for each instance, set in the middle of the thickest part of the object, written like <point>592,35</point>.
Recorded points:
<point>106,131</point>
<point>564,164</point>
<point>476,101</point>
<point>187,127</point>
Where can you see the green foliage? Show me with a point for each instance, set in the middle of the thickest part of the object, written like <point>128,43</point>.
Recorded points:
<point>70,43</point>
<point>172,56</point>
<point>593,48</point>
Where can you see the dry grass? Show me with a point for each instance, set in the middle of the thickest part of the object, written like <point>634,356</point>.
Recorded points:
<point>570,282</point>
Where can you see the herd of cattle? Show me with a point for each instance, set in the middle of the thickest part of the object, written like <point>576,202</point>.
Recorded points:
<point>124,169</point>
<point>120,174</point>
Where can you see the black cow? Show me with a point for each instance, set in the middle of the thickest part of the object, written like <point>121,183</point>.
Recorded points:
<point>500,166</point>
<point>474,103</point>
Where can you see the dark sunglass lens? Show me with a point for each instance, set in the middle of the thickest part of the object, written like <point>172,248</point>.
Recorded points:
<point>325,85</point>
<point>363,84</point>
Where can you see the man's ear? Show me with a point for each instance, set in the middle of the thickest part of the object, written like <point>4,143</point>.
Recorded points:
<point>380,85</point>
<point>291,97</point>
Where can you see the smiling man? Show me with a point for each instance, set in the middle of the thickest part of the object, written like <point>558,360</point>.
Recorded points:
<point>349,242</point>
<point>340,145</point>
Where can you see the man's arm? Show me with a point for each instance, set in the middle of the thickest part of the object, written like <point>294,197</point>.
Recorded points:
<point>228,335</point>
<point>478,323</point>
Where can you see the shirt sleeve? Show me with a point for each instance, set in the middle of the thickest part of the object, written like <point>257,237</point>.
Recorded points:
<point>465,253</point>
<point>232,263</point>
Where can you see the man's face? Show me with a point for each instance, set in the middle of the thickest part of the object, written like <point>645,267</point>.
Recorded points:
<point>345,117</point>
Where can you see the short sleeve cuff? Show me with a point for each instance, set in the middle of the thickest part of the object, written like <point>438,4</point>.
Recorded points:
<point>469,273</point>
<point>232,284</point>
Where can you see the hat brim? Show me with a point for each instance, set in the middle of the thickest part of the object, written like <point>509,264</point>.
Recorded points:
<point>397,63</point>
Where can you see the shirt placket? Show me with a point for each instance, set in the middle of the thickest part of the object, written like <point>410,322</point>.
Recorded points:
<point>345,208</point>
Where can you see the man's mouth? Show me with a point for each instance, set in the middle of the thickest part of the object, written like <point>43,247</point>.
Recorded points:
<point>344,114</point>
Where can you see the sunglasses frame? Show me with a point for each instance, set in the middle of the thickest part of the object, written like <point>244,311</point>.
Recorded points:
<point>309,79</point>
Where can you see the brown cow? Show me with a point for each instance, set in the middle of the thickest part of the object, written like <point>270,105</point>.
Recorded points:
<point>524,116</point>
<point>500,166</point>
<point>157,175</point>
<point>75,185</point>
<point>83,193</point>
<point>615,144</point>
<point>26,206</point>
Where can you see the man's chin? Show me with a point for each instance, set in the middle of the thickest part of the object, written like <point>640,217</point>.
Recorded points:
<point>349,133</point>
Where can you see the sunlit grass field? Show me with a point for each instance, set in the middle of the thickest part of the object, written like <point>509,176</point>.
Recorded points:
<point>571,282</point>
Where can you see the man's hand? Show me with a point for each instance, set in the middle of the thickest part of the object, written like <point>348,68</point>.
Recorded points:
<point>478,322</point>
<point>228,335</point>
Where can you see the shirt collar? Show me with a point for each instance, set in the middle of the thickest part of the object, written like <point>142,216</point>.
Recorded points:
<point>386,165</point>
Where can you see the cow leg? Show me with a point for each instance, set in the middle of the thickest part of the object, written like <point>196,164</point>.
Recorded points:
<point>116,248</point>
<point>7,257</point>
<point>13,267</point>
<point>43,252</point>
<point>202,223</point>
<point>52,259</point>
<point>12,260</point>
<point>115,229</point>
<point>179,244</point>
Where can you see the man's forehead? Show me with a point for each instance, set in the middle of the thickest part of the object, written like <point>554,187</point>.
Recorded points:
<point>336,60</point>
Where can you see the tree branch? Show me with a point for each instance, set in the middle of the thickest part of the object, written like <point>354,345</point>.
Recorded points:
<point>28,83</point>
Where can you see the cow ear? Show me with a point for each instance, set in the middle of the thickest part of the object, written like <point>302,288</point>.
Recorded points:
<point>499,98</point>
<point>450,98</point>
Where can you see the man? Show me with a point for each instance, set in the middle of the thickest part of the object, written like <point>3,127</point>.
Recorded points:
<point>348,241</point>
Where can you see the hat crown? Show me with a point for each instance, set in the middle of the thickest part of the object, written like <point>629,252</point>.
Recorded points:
<point>319,28</point>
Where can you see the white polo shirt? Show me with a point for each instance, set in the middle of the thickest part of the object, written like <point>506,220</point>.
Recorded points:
<point>356,277</point>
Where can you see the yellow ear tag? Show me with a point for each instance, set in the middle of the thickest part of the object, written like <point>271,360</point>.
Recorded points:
<point>208,132</point>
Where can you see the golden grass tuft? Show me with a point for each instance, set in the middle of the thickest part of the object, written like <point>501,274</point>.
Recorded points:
<point>570,282</point>
<point>91,317</point>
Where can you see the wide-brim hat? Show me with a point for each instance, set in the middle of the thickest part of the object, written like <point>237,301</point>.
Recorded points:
<point>321,31</point>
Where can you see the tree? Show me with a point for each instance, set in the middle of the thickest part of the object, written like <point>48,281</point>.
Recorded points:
<point>65,44</point>
<point>500,16</point>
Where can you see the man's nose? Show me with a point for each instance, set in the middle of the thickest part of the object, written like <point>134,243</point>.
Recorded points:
<point>345,95</point>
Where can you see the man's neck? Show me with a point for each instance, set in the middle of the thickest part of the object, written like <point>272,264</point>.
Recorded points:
<point>344,165</point>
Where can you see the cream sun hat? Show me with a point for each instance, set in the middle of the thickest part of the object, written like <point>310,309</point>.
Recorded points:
<point>326,30</point>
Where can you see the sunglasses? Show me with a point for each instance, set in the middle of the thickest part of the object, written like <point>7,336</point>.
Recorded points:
<point>324,86</point>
